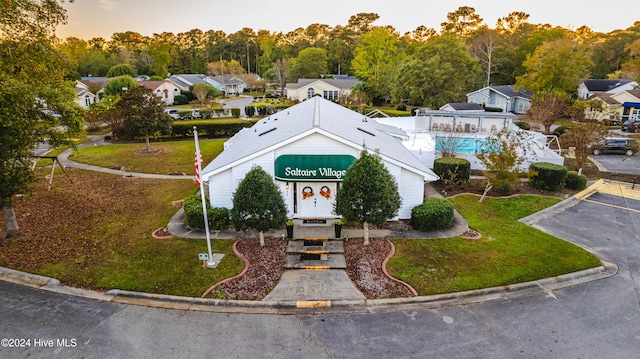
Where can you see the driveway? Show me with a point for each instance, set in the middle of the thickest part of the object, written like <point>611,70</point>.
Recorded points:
<point>598,319</point>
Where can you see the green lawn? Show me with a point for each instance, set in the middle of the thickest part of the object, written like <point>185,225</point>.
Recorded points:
<point>172,156</point>
<point>509,251</point>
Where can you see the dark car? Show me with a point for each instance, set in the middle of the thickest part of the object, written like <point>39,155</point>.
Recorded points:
<point>616,145</point>
<point>630,125</point>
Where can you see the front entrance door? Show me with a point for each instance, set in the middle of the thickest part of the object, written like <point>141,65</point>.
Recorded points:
<point>316,199</point>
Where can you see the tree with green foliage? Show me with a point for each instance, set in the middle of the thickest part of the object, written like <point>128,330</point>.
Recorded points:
<point>555,66</point>
<point>368,194</point>
<point>310,63</point>
<point>36,102</point>
<point>142,114</point>
<point>439,71</point>
<point>502,157</point>
<point>258,203</point>
<point>202,91</point>
<point>119,85</point>
<point>585,130</point>
<point>122,70</point>
<point>462,23</point>
<point>376,60</point>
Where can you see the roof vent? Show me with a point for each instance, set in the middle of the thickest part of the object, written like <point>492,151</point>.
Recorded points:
<point>365,131</point>
<point>267,131</point>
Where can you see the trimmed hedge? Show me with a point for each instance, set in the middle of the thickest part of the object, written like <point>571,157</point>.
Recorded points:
<point>180,100</point>
<point>523,125</point>
<point>210,129</point>
<point>576,181</point>
<point>451,168</point>
<point>434,213</point>
<point>235,112</point>
<point>560,130</point>
<point>548,176</point>
<point>218,218</point>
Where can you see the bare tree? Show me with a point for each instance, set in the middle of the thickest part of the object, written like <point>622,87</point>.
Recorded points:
<point>482,49</point>
<point>281,71</point>
<point>450,144</point>
<point>547,107</point>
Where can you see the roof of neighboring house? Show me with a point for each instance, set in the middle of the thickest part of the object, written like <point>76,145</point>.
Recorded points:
<point>95,79</point>
<point>153,84</point>
<point>315,115</point>
<point>506,91</point>
<point>341,83</point>
<point>80,92</point>
<point>604,97</point>
<point>634,93</point>
<point>183,81</point>
<point>604,85</point>
<point>462,106</point>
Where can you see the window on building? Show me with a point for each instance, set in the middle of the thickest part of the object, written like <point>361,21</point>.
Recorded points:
<point>87,101</point>
<point>310,92</point>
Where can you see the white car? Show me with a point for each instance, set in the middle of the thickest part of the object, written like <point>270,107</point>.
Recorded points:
<point>173,113</point>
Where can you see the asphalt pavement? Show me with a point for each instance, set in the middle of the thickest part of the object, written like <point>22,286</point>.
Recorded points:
<point>583,317</point>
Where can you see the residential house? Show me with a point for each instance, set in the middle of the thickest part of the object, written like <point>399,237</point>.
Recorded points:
<point>611,107</point>
<point>330,89</point>
<point>587,88</point>
<point>501,98</point>
<point>185,81</point>
<point>167,90</point>
<point>229,85</point>
<point>84,97</point>
<point>630,103</point>
<point>307,150</point>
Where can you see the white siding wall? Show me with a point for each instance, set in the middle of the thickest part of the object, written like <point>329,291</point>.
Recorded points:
<point>412,192</point>
<point>221,189</point>
<point>316,144</point>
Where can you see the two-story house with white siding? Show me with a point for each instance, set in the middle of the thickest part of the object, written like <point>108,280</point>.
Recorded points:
<point>501,98</point>
<point>307,149</point>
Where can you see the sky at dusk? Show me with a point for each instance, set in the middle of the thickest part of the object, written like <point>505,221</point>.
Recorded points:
<point>102,18</point>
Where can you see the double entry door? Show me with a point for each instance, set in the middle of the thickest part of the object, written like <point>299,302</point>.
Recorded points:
<point>316,199</point>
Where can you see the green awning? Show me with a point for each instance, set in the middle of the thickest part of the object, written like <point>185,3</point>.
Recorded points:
<point>312,167</point>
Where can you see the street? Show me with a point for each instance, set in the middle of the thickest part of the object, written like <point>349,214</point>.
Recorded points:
<point>598,319</point>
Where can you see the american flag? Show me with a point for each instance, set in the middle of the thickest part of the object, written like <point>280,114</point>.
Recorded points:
<point>197,164</point>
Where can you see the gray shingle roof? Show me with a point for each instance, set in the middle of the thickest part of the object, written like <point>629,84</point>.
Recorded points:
<point>314,115</point>
<point>344,84</point>
<point>604,85</point>
<point>509,91</point>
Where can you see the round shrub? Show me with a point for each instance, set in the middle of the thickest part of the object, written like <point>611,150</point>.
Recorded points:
<point>434,213</point>
<point>401,107</point>
<point>548,176</point>
<point>218,218</point>
<point>452,169</point>
<point>523,125</point>
<point>560,130</point>
<point>180,100</point>
<point>576,181</point>
<point>235,112</point>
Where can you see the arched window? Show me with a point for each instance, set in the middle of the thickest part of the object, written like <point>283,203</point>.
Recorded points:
<point>166,93</point>
<point>310,92</point>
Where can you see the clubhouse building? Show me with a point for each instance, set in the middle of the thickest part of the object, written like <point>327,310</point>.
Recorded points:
<point>307,149</point>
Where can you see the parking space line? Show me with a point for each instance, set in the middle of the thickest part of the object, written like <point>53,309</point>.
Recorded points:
<point>611,205</point>
<point>620,191</point>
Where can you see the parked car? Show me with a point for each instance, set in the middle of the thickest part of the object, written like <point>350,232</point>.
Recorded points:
<point>196,114</point>
<point>616,145</point>
<point>630,125</point>
<point>173,113</point>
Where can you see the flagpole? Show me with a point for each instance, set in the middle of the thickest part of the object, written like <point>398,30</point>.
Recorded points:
<point>210,262</point>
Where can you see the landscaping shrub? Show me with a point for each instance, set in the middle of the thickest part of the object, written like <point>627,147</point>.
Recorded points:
<point>492,109</point>
<point>180,100</point>
<point>208,128</point>
<point>560,130</point>
<point>523,125</point>
<point>452,170</point>
<point>434,213</point>
<point>235,112</point>
<point>184,114</point>
<point>250,111</point>
<point>548,176</point>
<point>218,218</point>
<point>401,107</point>
<point>576,181</point>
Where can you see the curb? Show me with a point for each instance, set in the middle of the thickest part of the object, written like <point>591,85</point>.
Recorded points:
<point>546,285</point>
<point>563,205</point>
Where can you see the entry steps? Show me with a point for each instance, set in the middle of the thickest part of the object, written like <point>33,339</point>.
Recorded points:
<point>315,253</point>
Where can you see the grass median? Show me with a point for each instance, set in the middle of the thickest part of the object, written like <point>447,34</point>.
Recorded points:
<point>509,251</point>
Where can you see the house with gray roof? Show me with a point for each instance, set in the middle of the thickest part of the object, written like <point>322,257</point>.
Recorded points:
<point>501,98</point>
<point>588,88</point>
<point>332,89</point>
<point>307,149</point>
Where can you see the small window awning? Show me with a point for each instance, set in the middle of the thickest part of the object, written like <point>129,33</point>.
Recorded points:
<point>631,104</point>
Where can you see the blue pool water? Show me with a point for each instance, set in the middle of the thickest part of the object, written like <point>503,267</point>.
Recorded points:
<point>463,144</point>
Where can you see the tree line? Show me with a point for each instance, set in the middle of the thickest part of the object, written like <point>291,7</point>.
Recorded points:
<point>422,67</point>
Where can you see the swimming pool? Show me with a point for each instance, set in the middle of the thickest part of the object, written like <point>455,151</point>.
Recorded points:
<point>462,144</point>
